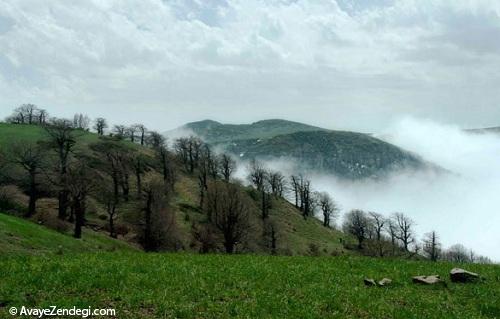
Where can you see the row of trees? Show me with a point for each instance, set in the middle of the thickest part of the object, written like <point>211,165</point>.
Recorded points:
<point>382,236</point>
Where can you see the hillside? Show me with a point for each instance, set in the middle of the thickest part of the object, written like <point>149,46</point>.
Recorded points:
<point>295,235</point>
<point>139,285</point>
<point>345,154</point>
<point>23,237</point>
<point>214,132</point>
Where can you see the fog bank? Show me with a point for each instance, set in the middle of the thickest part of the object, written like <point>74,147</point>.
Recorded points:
<point>463,206</point>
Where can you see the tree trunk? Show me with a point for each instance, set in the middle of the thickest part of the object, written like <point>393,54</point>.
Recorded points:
<point>79,218</point>
<point>63,204</point>
<point>33,196</point>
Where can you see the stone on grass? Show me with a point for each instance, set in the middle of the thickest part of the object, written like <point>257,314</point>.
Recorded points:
<point>384,282</point>
<point>462,275</point>
<point>427,280</point>
<point>370,282</point>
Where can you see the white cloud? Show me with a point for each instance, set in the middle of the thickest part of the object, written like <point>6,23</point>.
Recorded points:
<point>347,64</point>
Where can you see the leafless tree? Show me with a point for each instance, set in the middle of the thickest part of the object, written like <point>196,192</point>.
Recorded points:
<point>229,211</point>
<point>30,158</point>
<point>80,182</point>
<point>392,230</point>
<point>329,208</point>
<point>130,132</point>
<point>296,185</point>
<point>159,219</point>
<point>159,144</point>
<point>43,116</point>
<point>62,139</point>
<point>356,223</point>
<point>227,166</point>
<point>404,232</point>
<point>100,124</point>
<point>432,246</point>
<point>257,174</point>
<point>140,167</point>
<point>378,223</point>
<point>271,236</point>
<point>120,131</point>
<point>81,121</point>
<point>306,198</point>
<point>26,113</point>
<point>457,253</point>
<point>276,182</point>
<point>142,132</point>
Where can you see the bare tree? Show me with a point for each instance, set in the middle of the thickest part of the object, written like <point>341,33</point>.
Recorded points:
<point>80,182</point>
<point>100,124</point>
<point>115,160</point>
<point>257,174</point>
<point>356,223</point>
<point>457,253</point>
<point>392,230</point>
<point>306,198</point>
<point>296,185</point>
<point>227,166</point>
<point>404,232</point>
<point>62,139</point>
<point>229,211</point>
<point>81,121</point>
<point>130,132</point>
<point>159,144</point>
<point>329,208</point>
<point>432,246</point>
<point>30,158</point>
<point>42,116</point>
<point>271,236</point>
<point>142,132</point>
<point>276,182</point>
<point>378,223</point>
<point>120,131</point>
<point>159,219</point>
<point>26,114</point>
<point>140,167</point>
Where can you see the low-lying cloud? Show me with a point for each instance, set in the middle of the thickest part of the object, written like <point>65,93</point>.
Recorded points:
<point>461,206</point>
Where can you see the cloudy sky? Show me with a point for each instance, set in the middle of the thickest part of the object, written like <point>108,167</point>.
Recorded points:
<point>340,64</point>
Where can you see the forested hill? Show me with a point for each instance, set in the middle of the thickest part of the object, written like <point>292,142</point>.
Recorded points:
<point>215,132</point>
<point>345,154</point>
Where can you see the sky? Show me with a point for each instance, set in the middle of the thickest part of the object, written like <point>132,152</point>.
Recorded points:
<point>345,64</point>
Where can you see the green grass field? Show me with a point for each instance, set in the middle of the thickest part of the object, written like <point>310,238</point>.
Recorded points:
<point>21,237</point>
<point>140,285</point>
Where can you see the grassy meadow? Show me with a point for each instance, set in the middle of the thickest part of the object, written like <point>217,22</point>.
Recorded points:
<point>140,285</point>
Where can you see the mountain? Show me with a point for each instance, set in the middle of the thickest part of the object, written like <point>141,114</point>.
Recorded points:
<point>345,154</point>
<point>215,132</point>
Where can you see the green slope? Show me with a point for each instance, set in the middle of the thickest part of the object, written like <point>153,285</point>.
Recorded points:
<point>20,236</point>
<point>296,235</point>
<point>140,285</point>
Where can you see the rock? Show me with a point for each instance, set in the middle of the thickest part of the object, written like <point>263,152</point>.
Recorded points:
<point>370,282</point>
<point>427,280</point>
<point>384,282</point>
<point>462,275</point>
